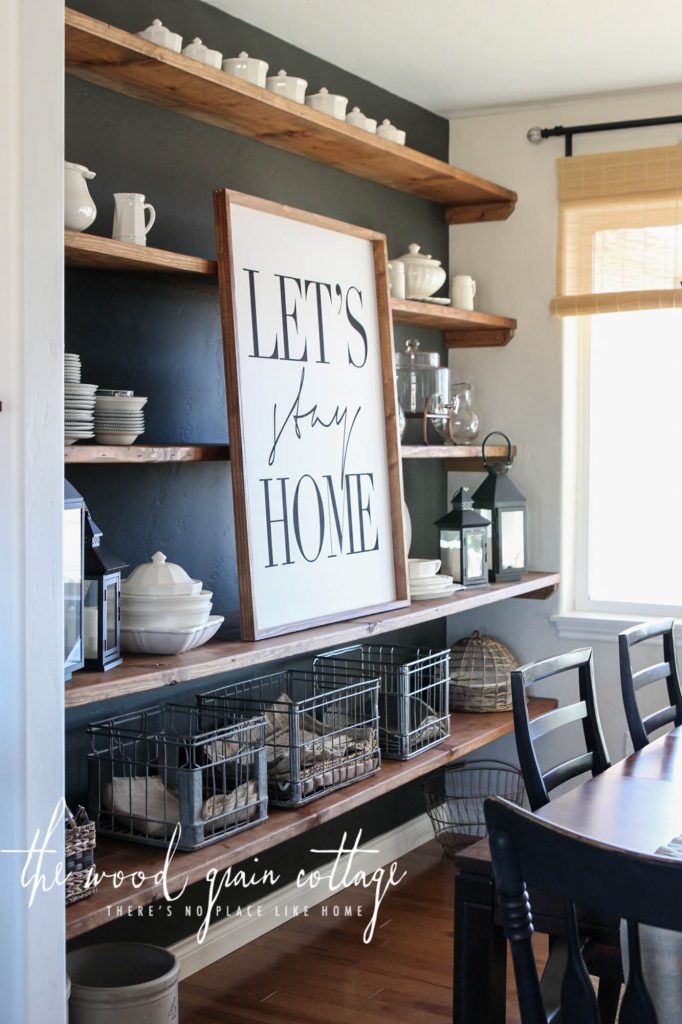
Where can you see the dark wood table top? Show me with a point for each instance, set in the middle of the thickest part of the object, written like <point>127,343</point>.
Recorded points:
<point>636,804</point>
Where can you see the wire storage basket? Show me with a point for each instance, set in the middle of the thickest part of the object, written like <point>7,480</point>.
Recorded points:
<point>480,674</point>
<point>455,796</point>
<point>168,765</point>
<point>413,693</point>
<point>79,858</point>
<point>321,730</point>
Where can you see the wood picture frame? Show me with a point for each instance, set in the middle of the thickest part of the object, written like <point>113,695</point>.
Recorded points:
<point>312,416</point>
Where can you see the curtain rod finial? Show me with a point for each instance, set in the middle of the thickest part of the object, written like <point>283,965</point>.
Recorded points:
<point>534,135</point>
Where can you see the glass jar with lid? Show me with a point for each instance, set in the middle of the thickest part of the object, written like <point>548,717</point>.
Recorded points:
<point>419,376</point>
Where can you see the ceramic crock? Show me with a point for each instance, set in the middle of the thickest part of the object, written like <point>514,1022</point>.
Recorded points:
<point>250,69</point>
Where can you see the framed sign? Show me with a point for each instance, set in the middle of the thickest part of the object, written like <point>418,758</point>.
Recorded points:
<point>314,444</point>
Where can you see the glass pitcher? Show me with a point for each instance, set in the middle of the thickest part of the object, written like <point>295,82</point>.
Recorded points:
<point>464,423</point>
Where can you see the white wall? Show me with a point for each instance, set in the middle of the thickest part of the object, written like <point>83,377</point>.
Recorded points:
<point>31,497</point>
<point>518,388</point>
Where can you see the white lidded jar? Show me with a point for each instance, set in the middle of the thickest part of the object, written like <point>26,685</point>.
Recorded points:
<point>79,209</point>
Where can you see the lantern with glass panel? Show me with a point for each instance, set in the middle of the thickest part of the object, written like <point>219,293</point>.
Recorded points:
<point>72,556</point>
<point>463,542</point>
<point>503,504</point>
<point>102,602</point>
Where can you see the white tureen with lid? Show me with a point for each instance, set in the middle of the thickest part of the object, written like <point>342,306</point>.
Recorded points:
<point>423,274</point>
<point>160,578</point>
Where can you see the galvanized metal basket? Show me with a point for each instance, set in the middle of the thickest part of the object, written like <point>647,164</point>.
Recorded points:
<point>455,796</point>
<point>413,693</point>
<point>201,768</point>
<point>321,729</point>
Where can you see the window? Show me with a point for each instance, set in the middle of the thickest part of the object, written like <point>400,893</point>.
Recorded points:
<point>620,285</point>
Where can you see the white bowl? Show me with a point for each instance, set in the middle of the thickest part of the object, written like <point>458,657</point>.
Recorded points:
<point>117,438</point>
<point>120,403</point>
<point>423,568</point>
<point>157,641</point>
<point>166,603</point>
<point>165,620</point>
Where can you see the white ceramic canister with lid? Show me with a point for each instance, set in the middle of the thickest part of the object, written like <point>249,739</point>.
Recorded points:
<point>250,69</point>
<point>288,86</point>
<point>197,51</point>
<point>160,35</point>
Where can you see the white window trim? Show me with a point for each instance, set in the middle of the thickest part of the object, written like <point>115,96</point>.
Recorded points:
<point>579,618</point>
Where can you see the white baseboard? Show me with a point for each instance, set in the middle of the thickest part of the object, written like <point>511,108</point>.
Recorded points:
<point>231,933</point>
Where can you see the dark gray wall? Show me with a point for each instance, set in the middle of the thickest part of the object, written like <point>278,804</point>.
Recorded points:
<point>161,335</point>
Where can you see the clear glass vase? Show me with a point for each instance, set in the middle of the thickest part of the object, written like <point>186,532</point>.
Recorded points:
<point>464,421</point>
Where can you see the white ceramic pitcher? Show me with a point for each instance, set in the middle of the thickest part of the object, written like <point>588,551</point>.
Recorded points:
<point>129,221</point>
<point>79,209</point>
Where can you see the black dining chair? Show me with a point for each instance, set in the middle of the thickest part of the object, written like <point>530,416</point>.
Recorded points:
<point>631,682</point>
<point>594,759</point>
<point>528,852</point>
<point>604,960</point>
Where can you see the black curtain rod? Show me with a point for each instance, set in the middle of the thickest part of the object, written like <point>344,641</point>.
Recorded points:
<point>536,135</point>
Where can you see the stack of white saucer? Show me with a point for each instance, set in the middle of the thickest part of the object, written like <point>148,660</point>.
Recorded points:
<point>118,416</point>
<point>426,583</point>
<point>79,402</point>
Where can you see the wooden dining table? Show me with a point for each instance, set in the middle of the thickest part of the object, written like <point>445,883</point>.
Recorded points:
<point>635,805</point>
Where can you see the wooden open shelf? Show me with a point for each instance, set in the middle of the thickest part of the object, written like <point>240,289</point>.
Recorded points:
<point>459,458</point>
<point>140,673</point>
<point>462,328</point>
<point>123,62</point>
<point>117,454</point>
<point>94,252</point>
<point>469,732</point>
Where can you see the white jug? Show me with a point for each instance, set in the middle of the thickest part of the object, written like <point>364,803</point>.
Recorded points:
<point>79,209</point>
<point>129,222</point>
<point>463,291</point>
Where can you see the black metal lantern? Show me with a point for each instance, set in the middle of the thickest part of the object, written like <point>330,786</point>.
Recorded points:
<point>463,542</point>
<point>504,505</point>
<point>73,533</point>
<point>102,623</point>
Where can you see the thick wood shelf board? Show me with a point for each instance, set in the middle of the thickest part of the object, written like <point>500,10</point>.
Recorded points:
<point>123,62</point>
<point>461,458</point>
<point>469,733</point>
<point>115,454</point>
<point>140,673</point>
<point>448,318</point>
<point>94,252</point>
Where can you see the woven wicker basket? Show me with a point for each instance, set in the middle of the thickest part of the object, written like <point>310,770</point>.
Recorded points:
<point>479,674</point>
<point>79,843</point>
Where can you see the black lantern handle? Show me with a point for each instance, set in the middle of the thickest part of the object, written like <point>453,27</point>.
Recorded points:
<point>498,433</point>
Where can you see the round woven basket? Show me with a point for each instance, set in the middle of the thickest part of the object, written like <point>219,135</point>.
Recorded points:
<point>479,674</point>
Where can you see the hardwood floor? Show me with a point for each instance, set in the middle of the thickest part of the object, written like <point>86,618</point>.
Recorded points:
<point>317,970</point>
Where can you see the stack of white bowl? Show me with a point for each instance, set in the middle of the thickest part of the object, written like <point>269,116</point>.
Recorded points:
<point>118,416</point>
<point>426,583</point>
<point>164,611</point>
<point>79,402</point>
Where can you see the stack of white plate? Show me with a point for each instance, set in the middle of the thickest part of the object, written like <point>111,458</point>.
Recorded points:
<point>118,417</point>
<point>164,611</point>
<point>79,402</point>
<point>426,583</point>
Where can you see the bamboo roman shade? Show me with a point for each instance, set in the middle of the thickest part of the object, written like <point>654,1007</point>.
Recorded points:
<point>620,232</point>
